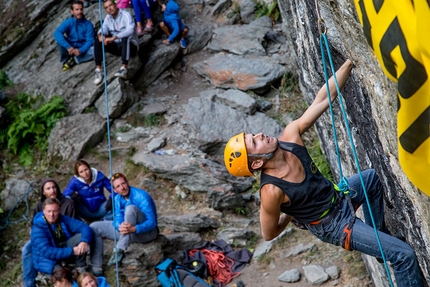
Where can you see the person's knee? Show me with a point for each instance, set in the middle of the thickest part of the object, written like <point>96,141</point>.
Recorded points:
<point>407,255</point>
<point>162,25</point>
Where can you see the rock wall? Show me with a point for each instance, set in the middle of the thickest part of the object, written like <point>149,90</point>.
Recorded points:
<point>371,103</point>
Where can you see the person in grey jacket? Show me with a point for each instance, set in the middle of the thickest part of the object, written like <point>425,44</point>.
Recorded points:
<point>118,37</point>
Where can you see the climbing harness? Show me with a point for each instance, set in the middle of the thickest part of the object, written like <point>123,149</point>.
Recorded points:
<point>343,184</point>
<point>31,186</point>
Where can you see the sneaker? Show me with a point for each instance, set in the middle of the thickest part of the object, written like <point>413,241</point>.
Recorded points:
<point>69,64</point>
<point>139,31</point>
<point>122,73</point>
<point>98,76</point>
<point>183,43</point>
<point>120,255</point>
<point>149,27</point>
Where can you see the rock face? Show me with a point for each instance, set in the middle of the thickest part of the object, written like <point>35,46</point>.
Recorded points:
<point>370,100</point>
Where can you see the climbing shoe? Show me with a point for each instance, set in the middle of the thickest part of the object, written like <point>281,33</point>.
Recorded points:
<point>69,64</point>
<point>119,254</point>
<point>98,77</point>
<point>122,73</point>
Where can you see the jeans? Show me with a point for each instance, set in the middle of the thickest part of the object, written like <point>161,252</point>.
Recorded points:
<point>146,6</point>
<point>29,274</point>
<point>87,56</point>
<point>91,216</point>
<point>363,238</point>
<point>106,229</point>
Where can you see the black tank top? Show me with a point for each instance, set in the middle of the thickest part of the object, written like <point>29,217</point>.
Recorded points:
<point>309,198</point>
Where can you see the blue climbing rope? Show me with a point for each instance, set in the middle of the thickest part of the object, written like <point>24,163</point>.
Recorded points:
<point>7,220</point>
<point>108,133</point>
<point>343,184</point>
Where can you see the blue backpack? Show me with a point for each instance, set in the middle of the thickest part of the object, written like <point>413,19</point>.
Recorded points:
<point>170,274</point>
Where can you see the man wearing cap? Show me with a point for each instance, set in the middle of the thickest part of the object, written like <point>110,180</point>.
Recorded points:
<point>135,218</point>
<point>48,189</point>
<point>291,187</point>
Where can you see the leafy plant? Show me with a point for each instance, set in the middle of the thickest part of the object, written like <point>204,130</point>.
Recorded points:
<point>4,80</point>
<point>30,120</point>
<point>271,10</point>
<point>152,120</point>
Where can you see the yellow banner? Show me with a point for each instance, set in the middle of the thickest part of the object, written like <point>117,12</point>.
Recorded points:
<point>399,33</point>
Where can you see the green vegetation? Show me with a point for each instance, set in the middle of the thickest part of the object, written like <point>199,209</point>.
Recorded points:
<point>241,210</point>
<point>4,80</point>
<point>271,10</point>
<point>152,120</point>
<point>234,10</point>
<point>29,120</point>
<point>289,83</point>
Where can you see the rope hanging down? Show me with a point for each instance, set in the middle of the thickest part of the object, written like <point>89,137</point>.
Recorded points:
<point>108,133</point>
<point>343,184</point>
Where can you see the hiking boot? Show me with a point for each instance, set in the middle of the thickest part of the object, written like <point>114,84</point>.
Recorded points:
<point>183,43</point>
<point>96,271</point>
<point>69,64</point>
<point>122,73</point>
<point>120,255</point>
<point>98,76</point>
<point>139,31</point>
<point>149,27</point>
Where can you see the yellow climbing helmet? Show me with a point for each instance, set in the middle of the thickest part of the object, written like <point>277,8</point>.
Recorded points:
<point>236,156</point>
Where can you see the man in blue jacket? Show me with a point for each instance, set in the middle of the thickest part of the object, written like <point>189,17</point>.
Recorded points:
<point>58,239</point>
<point>75,38</point>
<point>135,218</point>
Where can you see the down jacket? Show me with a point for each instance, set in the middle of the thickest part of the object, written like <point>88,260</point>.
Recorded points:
<point>45,252</point>
<point>92,194</point>
<point>142,200</point>
<point>79,34</point>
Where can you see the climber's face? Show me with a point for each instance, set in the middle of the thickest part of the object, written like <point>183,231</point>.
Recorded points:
<point>111,8</point>
<point>77,11</point>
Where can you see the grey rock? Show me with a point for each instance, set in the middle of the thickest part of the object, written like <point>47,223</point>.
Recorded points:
<point>198,37</point>
<point>241,39</point>
<point>223,197</point>
<point>14,189</point>
<point>266,246</point>
<point>156,143</point>
<point>237,237</point>
<point>192,222</point>
<point>184,240</point>
<point>290,276</point>
<point>247,11</point>
<point>220,7</point>
<point>239,100</point>
<point>230,71</point>
<point>132,135</point>
<point>300,248</point>
<point>154,109</point>
<point>72,136</point>
<point>333,272</point>
<point>315,274</point>
<point>121,97</point>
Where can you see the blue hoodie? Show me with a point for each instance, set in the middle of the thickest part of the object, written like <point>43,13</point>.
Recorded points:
<point>45,252</point>
<point>92,194</point>
<point>172,19</point>
<point>79,34</point>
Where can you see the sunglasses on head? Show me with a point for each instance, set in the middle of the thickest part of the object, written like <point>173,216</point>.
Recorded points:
<point>118,175</point>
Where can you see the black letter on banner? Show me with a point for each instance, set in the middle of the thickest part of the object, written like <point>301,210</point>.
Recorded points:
<point>414,75</point>
<point>417,133</point>
<point>366,24</point>
<point>378,4</point>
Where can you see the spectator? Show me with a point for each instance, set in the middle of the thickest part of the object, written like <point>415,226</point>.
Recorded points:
<point>58,240</point>
<point>86,188</point>
<point>119,40</point>
<point>135,218</point>
<point>146,6</point>
<point>87,279</point>
<point>62,277</point>
<point>48,189</point>
<point>75,38</point>
<point>172,24</point>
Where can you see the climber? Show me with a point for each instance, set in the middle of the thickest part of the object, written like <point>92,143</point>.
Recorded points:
<point>119,39</point>
<point>75,38</point>
<point>291,184</point>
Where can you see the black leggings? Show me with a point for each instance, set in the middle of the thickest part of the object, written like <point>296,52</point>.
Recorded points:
<point>125,49</point>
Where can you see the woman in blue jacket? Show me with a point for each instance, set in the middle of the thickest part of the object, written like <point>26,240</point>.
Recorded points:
<point>87,279</point>
<point>86,188</point>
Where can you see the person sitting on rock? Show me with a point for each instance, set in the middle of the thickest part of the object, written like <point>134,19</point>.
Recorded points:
<point>58,239</point>
<point>146,6</point>
<point>86,188</point>
<point>87,279</point>
<point>293,189</point>
<point>48,189</point>
<point>172,24</point>
<point>118,39</point>
<point>135,218</point>
<point>75,38</point>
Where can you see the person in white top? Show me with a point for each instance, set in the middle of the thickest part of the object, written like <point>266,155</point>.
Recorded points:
<point>117,35</point>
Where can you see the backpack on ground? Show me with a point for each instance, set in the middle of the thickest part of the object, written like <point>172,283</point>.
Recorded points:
<point>171,274</point>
